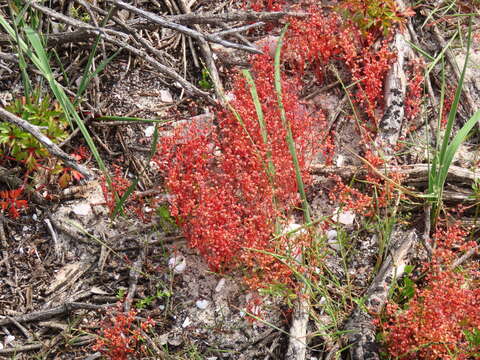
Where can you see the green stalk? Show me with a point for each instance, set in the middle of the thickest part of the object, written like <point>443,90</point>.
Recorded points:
<point>286,125</point>
<point>270,168</point>
<point>443,159</point>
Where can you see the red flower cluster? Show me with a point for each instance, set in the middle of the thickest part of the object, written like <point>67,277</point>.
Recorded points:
<point>340,40</point>
<point>224,197</point>
<point>414,97</point>
<point>119,335</point>
<point>118,186</point>
<point>265,5</point>
<point>435,324</point>
<point>359,201</point>
<point>9,201</point>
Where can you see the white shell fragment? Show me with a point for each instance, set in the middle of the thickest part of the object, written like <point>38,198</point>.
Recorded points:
<point>333,240</point>
<point>82,209</point>
<point>187,322</point>
<point>177,264</point>
<point>344,217</point>
<point>149,131</point>
<point>220,285</point>
<point>8,339</point>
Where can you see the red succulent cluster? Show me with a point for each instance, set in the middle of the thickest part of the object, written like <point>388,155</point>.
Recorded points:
<point>438,317</point>
<point>223,196</point>
<point>10,202</point>
<point>336,39</point>
<point>265,5</point>
<point>414,97</point>
<point>118,186</point>
<point>378,181</point>
<point>120,335</point>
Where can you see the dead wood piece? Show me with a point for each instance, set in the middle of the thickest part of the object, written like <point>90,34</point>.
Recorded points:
<point>49,313</point>
<point>415,174</point>
<point>208,58</point>
<point>44,140</point>
<point>81,35</point>
<point>4,245</point>
<point>297,346</point>
<point>8,57</point>
<point>22,328</point>
<point>465,257</point>
<point>395,92</point>
<point>181,28</point>
<point>360,330</point>
<point>19,349</point>
<point>134,274</point>
<point>121,44</point>
<point>54,325</point>
<point>236,16</point>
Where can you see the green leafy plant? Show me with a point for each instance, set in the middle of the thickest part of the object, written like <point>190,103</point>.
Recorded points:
<point>29,43</point>
<point>374,15</point>
<point>40,111</point>
<point>444,154</point>
<point>205,82</point>
<point>166,221</point>
<point>473,339</point>
<point>147,301</point>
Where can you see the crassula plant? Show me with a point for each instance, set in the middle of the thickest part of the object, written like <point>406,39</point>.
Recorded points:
<point>441,318</point>
<point>229,186</point>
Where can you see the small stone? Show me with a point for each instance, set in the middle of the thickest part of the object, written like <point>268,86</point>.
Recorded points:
<point>331,234</point>
<point>148,132</point>
<point>220,285</point>
<point>187,322</point>
<point>82,209</point>
<point>202,304</point>
<point>177,263</point>
<point>345,217</point>
<point>166,96</point>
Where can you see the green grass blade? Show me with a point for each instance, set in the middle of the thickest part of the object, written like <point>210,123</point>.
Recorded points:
<point>132,119</point>
<point>270,169</point>
<point>286,125</point>
<point>261,121</point>
<point>22,64</point>
<point>87,76</point>
<point>455,144</point>
<point>448,149</point>
<point>40,59</point>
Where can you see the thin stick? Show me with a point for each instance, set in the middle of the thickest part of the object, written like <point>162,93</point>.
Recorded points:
<point>181,28</point>
<point>103,33</point>
<point>44,140</point>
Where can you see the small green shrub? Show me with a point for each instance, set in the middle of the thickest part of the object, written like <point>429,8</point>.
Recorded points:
<point>18,145</point>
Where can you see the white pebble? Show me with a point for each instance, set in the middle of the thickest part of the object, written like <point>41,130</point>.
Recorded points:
<point>177,263</point>
<point>82,209</point>
<point>331,235</point>
<point>8,339</point>
<point>220,285</point>
<point>202,304</point>
<point>345,217</point>
<point>149,131</point>
<point>186,322</point>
